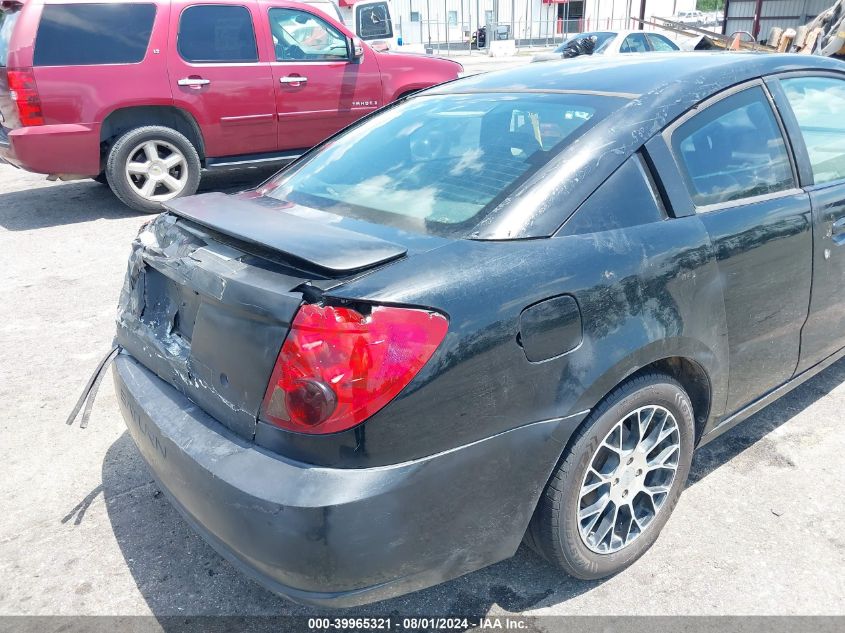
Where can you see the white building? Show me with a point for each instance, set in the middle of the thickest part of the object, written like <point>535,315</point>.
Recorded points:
<point>441,21</point>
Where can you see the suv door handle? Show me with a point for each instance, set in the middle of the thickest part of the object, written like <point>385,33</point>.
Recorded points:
<point>193,81</point>
<point>293,79</point>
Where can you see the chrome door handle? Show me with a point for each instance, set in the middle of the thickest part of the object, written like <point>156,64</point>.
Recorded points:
<point>293,79</point>
<point>192,81</point>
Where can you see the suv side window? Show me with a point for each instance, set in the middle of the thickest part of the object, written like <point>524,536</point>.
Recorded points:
<point>302,36</point>
<point>732,150</point>
<point>661,43</point>
<point>635,43</point>
<point>819,107</point>
<point>87,34</point>
<point>628,198</point>
<point>217,33</point>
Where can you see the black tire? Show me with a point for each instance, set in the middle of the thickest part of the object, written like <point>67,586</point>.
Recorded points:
<point>554,530</point>
<point>124,149</point>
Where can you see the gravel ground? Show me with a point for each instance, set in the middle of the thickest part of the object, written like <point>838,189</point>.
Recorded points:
<point>83,529</point>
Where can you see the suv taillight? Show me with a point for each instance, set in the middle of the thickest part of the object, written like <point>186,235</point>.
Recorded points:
<point>24,92</point>
<point>337,366</point>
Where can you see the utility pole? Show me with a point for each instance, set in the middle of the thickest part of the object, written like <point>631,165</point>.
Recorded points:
<point>758,11</point>
<point>642,14</point>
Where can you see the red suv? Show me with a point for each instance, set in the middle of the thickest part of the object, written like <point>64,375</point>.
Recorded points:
<point>145,94</point>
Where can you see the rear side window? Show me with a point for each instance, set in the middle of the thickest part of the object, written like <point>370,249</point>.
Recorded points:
<point>819,106</point>
<point>86,34</point>
<point>634,44</point>
<point>7,25</point>
<point>733,150</point>
<point>373,21</point>
<point>217,33</point>
<point>660,43</point>
<point>628,198</point>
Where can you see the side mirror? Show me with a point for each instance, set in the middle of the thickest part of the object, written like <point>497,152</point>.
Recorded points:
<point>356,49</point>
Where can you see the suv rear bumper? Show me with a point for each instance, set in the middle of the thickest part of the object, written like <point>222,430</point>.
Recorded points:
<point>54,149</point>
<point>339,537</point>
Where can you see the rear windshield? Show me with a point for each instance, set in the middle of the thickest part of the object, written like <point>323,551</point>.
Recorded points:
<point>438,164</point>
<point>374,21</point>
<point>7,25</point>
<point>85,34</point>
<point>602,37</point>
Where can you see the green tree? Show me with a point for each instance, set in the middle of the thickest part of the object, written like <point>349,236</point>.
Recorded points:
<point>710,5</point>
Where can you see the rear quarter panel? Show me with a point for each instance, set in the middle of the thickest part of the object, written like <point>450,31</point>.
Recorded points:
<point>87,94</point>
<point>645,293</point>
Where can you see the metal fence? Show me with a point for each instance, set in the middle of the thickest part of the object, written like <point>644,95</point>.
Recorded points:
<point>758,17</point>
<point>443,37</point>
<point>447,26</point>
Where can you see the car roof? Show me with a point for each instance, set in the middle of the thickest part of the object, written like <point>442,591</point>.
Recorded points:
<point>653,89</point>
<point>640,74</point>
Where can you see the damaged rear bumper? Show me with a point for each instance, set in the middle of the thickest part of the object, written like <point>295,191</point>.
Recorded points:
<point>339,537</point>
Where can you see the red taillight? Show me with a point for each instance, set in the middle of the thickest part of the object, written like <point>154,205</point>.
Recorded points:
<point>337,367</point>
<point>24,93</point>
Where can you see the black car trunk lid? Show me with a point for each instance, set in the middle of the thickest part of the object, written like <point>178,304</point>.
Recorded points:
<point>213,286</point>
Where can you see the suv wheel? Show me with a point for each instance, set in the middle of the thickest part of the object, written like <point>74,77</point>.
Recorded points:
<point>150,165</point>
<point>613,492</point>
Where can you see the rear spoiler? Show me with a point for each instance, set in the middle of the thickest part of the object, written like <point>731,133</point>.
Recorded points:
<point>334,249</point>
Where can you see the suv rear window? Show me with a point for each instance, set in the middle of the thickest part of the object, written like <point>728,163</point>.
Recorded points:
<point>7,25</point>
<point>438,164</point>
<point>87,34</point>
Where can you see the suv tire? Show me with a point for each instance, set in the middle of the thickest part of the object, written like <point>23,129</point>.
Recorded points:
<point>610,465</point>
<point>150,165</point>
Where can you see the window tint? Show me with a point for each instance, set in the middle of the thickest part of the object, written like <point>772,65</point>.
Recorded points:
<point>660,43</point>
<point>7,25</point>
<point>819,106</point>
<point>635,44</point>
<point>373,21</point>
<point>733,150</point>
<point>84,34</point>
<point>217,33</point>
<point>627,198</point>
<point>302,36</point>
<point>437,164</point>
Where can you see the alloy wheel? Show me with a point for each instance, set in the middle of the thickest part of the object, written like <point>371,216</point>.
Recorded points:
<point>157,170</point>
<point>628,479</point>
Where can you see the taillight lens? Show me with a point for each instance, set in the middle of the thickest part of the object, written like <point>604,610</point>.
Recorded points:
<point>337,366</point>
<point>24,92</point>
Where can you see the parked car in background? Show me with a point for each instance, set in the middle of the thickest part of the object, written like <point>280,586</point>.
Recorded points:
<point>612,43</point>
<point>144,95</point>
<point>442,334</point>
<point>690,18</point>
